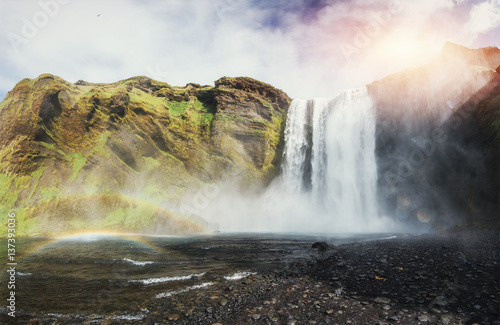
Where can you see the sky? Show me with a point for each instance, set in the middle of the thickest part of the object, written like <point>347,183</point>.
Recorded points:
<point>308,48</point>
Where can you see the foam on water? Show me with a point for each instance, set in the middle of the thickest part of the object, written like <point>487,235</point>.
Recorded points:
<point>238,275</point>
<point>167,279</point>
<point>139,263</point>
<point>194,287</point>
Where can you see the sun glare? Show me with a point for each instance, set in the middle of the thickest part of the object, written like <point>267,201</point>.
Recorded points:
<point>403,50</point>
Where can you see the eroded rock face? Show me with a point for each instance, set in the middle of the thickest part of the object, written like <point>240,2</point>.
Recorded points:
<point>437,139</point>
<point>140,139</point>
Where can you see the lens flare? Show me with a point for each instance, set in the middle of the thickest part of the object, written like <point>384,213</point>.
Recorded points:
<point>403,202</point>
<point>424,216</point>
<point>451,104</point>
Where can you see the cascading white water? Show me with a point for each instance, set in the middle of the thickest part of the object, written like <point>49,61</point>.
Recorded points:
<point>329,174</point>
<point>329,158</point>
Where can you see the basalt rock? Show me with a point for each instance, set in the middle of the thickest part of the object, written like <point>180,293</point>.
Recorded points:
<point>437,140</point>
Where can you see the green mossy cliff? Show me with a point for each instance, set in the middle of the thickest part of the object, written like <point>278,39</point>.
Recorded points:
<point>86,156</point>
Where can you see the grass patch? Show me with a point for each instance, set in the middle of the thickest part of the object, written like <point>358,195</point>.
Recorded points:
<point>37,175</point>
<point>49,146</point>
<point>78,163</point>
<point>151,163</point>
<point>50,193</point>
<point>178,108</point>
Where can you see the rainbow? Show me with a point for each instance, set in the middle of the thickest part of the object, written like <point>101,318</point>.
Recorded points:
<point>90,236</point>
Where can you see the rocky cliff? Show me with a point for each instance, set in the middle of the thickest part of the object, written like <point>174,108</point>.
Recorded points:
<point>126,155</point>
<point>438,135</point>
<point>86,156</point>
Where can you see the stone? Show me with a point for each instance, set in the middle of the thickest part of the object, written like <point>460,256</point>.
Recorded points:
<point>446,319</point>
<point>423,318</point>
<point>321,246</point>
<point>382,300</point>
<point>173,317</point>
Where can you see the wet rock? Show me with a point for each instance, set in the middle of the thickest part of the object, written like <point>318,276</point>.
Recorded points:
<point>173,317</point>
<point>446,319</point>
<point>382,300</point>
<point>321,246</point>
<point>460,257</point>
<point>423,318</point>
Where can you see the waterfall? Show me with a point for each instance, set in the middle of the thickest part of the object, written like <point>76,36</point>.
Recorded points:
<point>329,157</point>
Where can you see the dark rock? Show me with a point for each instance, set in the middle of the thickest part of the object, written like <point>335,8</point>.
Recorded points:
<point>321,246</point>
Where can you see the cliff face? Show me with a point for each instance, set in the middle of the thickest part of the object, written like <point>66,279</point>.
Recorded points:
<point>125,156</point>
<point>438,140</point>
<point>122,155</point>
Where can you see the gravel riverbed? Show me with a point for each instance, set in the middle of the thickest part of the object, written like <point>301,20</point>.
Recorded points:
<point>451,278</point>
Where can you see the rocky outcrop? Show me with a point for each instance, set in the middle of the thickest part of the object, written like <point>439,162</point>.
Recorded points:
<point>437,140</point>
<point>122,155</point>
<point>125,155</point>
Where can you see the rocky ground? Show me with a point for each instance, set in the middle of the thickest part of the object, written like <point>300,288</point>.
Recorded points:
<point>450,278</point>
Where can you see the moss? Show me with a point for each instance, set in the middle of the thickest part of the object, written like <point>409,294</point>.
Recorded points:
<point>50,193</point>
<point>151,163</point>
<point>25,225</point>
<point>78,162</point>
<point>266,104</point>
<point>231,118</point>
<point>114,219</point>
<point>37,175</point>
<point>170,134</point>
<point>49,146</point>
<point>100,148</point>
<point>178,108</point>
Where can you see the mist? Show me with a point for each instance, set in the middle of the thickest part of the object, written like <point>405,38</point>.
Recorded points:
<point>391,160</point>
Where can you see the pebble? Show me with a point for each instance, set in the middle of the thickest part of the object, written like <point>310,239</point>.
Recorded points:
<point>358,300</point>
<point>423,318</point>
<point>446,319</point>
<point>382,300</point>
<point>174,317</point>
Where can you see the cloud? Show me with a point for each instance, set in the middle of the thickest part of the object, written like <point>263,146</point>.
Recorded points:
<point>294,45</point>
<point>484,17</point>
